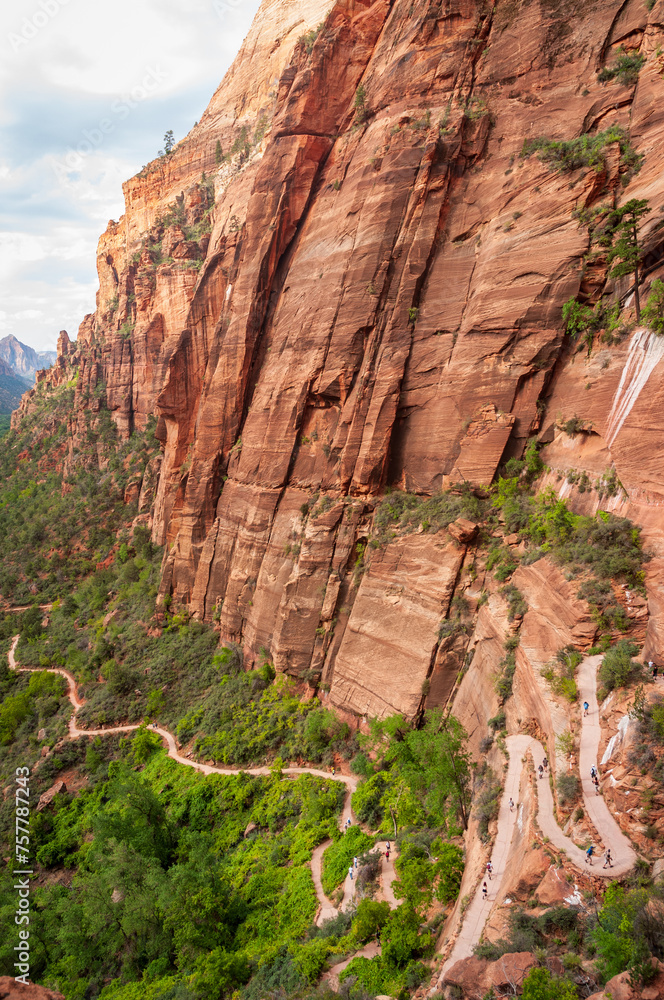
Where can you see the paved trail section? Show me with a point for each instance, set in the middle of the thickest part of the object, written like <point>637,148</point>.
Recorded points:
<point>327,908</point>
<point>597,810</point>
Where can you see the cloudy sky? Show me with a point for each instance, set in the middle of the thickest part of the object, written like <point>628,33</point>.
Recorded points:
<point>143,66</point>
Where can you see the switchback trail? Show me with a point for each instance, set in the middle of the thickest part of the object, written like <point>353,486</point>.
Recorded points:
<point>612,836</point>
<point>326,907</point>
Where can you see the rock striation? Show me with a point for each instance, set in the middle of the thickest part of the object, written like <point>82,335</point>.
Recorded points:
<point>346,278</point>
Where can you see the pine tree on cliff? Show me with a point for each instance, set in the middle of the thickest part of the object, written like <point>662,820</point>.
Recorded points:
<point>617,232</point>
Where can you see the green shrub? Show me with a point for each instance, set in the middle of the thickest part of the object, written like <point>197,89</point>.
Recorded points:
<point>487,799</point>
<point>618,669</point>
<point>370,916</point>
<point>505,676</point>
<point>585,151</point>
<point>652,313</point>
<point>516,602</point>
<point>626,68</point>
<point>339,856</point>
<point>402,513</point>
<point>540,984</point>
<point>568,787</point>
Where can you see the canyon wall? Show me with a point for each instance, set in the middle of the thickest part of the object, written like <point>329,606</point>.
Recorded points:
<point>347,278</point>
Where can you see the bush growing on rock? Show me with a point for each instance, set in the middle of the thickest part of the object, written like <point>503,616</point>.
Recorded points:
<point>618,668</point>
<point>568,788</point>
<point>540,984</point>
<point>653,311</point>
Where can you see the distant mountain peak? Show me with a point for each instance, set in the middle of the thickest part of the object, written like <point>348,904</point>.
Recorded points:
<point>23,360</point>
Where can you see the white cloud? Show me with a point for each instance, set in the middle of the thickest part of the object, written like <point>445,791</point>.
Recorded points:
<point>67,66</point>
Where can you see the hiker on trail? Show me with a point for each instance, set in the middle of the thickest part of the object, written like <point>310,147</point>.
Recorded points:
<point>586,706</point>
<point>607,859</point>
<point>596,784</point>
<point>589,855</point>
<point>489,869</point>
<point>485,891</point>
<point>511,805</point>
<point>653,666</point>
<point>355,862</point>
<point>387,845</point>
<point>545,763</point>
<point>387,855</point>
<point>541,770</point>
<point>350,873</point>
<point>334,771</point>
<point>593,772</point>
<point>348,823</point>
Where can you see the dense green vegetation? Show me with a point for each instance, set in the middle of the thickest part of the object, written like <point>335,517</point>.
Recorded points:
<point>167,885</point>
<point>174,673</point>
<point>609,546</point>
<point>625,69</point>
<point>584,151</point>
<point>414,776</point>
<point>401,513</point>
<point>55,528</point>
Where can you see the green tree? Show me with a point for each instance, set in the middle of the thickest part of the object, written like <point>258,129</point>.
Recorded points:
<point>540,984</point>
<point>169,142</point>
<point>218,153</point>
<point>629,930</point>
<point>653,311</point>
<point>616,233</point>
<point>369,919</point>
<point>430,769</point>
<point>437,767</point>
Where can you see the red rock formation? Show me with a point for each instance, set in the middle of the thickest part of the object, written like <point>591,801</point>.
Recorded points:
<point>375,299</point>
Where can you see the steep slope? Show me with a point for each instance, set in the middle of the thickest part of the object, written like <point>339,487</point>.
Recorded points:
<point>24,360</point>
<point>366,292</point>
<point>12,387</point>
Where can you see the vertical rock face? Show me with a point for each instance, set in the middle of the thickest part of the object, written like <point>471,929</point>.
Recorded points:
<point>348,277</point>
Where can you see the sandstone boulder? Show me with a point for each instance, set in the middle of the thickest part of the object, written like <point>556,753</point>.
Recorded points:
<point>554,888</point>
<point>619,987</point>
<point>463,530</point>
<point>466,974</point>
<point>48,796</point>
<point>11,990</point>
<point>509,971</point>
<point>506,973</point>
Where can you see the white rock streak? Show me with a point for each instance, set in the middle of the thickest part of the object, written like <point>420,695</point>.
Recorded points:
<point>646,350</point>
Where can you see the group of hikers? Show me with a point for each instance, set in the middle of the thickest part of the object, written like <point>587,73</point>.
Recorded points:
<point>542,768</point>
<point>351,868</point>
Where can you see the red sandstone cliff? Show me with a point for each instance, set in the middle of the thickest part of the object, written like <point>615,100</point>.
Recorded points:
<point>365,293</point>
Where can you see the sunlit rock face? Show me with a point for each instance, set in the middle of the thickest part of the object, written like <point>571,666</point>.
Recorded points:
<point>347,277</point>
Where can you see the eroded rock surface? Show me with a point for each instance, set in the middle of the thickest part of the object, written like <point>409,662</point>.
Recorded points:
<point>347,277</point>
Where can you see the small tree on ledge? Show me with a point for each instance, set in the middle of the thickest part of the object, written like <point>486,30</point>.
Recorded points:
<point>616,233</point>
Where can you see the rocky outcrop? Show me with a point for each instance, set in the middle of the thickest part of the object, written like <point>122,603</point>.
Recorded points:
<point>347,277</point>
<point>11,990</point>
<point>507,973</point>
<point>620,988</point>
